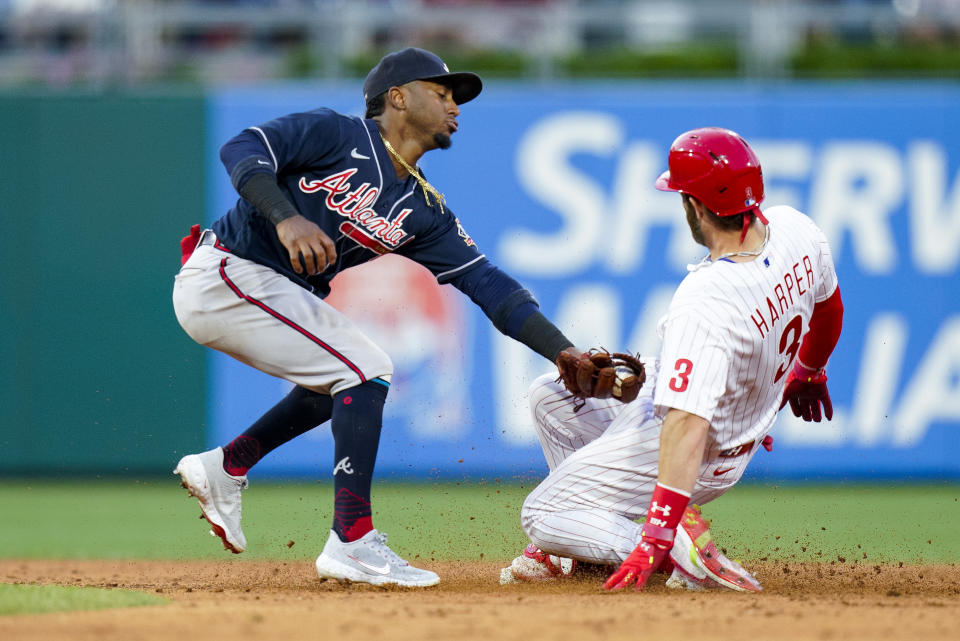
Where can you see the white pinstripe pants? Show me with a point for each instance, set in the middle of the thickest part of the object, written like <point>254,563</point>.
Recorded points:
<point>603,468</point>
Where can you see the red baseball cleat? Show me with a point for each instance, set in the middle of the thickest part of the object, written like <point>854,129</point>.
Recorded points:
<point>699,564</point>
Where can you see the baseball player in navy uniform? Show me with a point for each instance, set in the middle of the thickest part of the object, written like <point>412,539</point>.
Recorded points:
<point>322,192</point>
<point>749,329</point>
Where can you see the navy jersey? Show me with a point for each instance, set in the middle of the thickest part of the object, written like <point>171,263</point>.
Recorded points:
<point>337,173</point>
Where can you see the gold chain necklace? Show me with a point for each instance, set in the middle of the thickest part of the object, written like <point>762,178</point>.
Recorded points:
<point>428,189</point>
<point>753,252</point>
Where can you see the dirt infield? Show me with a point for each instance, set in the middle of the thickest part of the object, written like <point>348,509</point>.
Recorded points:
<point>239,600</point>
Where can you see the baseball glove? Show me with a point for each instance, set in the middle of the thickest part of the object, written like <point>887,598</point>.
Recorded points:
<point>600,374</point>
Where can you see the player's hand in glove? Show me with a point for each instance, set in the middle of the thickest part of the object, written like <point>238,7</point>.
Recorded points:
<point>806,391</point>
<point>644,560</point>
<point>600,374</point>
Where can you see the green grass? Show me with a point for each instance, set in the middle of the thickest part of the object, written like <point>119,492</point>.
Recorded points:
<point>87,519</point>
<point>866,523</point>
<point>37,599</point>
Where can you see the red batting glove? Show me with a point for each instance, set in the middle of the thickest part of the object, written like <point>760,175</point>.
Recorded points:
<point>644,560</point>
<point>806,391</point>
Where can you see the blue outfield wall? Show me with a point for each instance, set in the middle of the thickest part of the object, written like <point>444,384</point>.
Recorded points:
<point>555,184</point>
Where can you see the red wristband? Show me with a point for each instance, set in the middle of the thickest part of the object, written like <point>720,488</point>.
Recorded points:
<point>666,507</point>
<point>808,374</point>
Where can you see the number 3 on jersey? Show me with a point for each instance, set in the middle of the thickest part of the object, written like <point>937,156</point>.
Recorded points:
<point>789,344</point>
<point>679,382</point>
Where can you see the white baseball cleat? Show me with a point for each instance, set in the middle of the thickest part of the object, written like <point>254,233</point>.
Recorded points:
<point>535,565</point>
<point>218,493</point>
<point>369,560</point>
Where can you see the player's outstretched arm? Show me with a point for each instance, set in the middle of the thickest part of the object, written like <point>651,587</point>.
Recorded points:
<point>512,309</point>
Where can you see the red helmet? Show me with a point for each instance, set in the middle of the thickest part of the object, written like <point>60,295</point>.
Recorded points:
<point>718,167</point>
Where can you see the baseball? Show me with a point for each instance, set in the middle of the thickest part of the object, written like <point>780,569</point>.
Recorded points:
<point>622,373</point>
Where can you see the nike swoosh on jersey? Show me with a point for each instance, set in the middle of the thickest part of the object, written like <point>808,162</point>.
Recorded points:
<point>356,154</point>
<point>264,162</point>
<point>384,569</point>
<point>722,470</point>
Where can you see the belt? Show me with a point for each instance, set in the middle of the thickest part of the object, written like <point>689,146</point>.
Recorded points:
<point>746,448</point>
<point>209,238</point>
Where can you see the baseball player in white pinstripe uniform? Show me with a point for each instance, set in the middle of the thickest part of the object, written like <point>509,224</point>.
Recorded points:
<point>749,330</point>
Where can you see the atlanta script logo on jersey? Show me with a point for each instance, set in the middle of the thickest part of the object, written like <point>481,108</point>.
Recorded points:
<point>364,225</point>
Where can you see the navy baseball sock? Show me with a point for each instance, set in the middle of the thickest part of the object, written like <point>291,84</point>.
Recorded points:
<point>299,411</point>
<point>357,419</point>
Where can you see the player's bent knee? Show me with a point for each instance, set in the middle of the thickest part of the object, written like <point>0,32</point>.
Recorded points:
<point>381,366</point>
<point>376,385</point>
<point>376,366</point>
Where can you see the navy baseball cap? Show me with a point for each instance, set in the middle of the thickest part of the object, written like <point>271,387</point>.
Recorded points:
<point>400,67</point>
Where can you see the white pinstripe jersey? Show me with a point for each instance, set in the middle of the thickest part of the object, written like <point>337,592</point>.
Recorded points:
<point>732,331</point>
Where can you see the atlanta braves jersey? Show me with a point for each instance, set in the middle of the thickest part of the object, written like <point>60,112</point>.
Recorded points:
<point>732,330</point>
<point>337,173</point>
